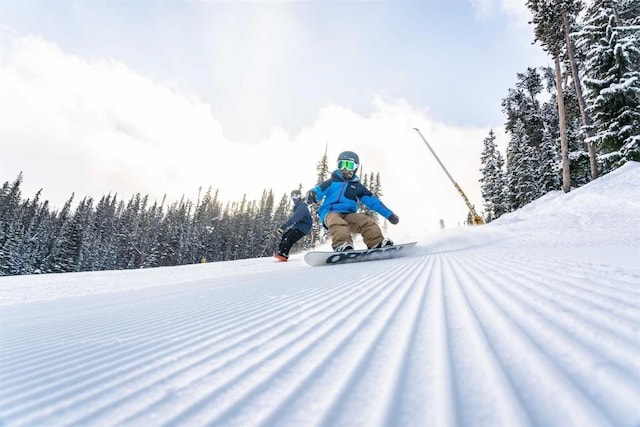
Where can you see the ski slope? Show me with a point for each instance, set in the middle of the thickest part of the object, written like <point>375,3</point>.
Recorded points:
<point>531,320</point>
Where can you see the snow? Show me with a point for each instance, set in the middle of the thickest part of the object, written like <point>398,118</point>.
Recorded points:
<point>531,320</point>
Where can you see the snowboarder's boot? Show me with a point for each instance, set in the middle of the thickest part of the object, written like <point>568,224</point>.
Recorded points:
<point>280,257</point>
<point>346,246</point>
<point>384,242</point>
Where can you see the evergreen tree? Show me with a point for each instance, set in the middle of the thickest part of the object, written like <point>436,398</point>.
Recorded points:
<point>169,247</point>
<point>522,105</point>
<point>152,220</point>
<point>64,243</point>
<point>264,226</point>
<point>523,170</point>
<point>11,227</point>
<point>492,182</point>
<point>569,10</point>
<point>613,80</point>
<point>83,235</point>
<point>322,168</point>
<point>548,30</point>
<point>318,233</point>
<point>105,221</point>
<point>369,182</point>
<point>206,218</point>
<point>130,234</point>
<point>578,156</point>
<point>549,164</point>
<point>28,248</point>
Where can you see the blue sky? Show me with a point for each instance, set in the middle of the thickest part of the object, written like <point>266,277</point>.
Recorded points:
<point>276,75</point>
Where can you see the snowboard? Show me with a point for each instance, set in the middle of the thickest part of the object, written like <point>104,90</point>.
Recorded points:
<point>317,258</point>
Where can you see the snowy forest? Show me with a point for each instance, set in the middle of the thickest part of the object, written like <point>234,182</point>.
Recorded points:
<point>567,125</point>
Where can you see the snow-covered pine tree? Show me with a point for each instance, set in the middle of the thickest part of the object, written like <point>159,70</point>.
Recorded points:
<point>549,164</point>
<point>540,121</point>
<point>207,227</point>
<point>318,233</point>
<point>130,234</point>
<point>83,233</point>
<point>522,105</point>
<point>63,244</point>
<point>569,11</point>
<point>579,164</point>
<point>523,169</point>
<point>168,249</point>
<point>492,182</point>
<point>150,224</point>
<point>613,80</point>
<point>368,180</point>
<point>322,167</point>
<point>35,219</point>
<point>548,30</point>
<point>105,226</point>
<point>10,235</point>
<point>264,226</point>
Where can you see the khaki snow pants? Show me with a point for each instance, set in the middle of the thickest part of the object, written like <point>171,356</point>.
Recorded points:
<point>342,225</point>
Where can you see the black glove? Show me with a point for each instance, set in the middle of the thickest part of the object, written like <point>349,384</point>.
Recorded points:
<point>281,229</point>
<point>311,197</point>
<point>393,219</point>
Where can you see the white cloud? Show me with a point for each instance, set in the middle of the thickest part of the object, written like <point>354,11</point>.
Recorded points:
<point>483,8</point>
<point>515,11</point>
<point>518,12</point>
<point>95,127</point>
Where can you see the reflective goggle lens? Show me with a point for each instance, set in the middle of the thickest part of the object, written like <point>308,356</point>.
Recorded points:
<point>347,164</point>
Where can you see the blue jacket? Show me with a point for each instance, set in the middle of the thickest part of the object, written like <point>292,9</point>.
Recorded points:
<point>340,195</point>
<point>300,219</point>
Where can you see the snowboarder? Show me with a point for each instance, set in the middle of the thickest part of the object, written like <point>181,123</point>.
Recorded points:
<point>338,211</point>
<point>295,228</point>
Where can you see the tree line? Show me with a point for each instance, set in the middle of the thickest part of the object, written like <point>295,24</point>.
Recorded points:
<point>568,124</point>
<point>114,234</point>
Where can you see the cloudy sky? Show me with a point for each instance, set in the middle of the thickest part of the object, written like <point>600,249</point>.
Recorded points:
<point>166,97</point>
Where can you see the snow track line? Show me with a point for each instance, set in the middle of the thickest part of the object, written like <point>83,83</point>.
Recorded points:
<point>308,403</point>
<point>339,328</point>
<point>204,361</point>
<point>427,393</point>
<point>380,362</point>
<point>621,285</point>
<point>481,382</point>
<point>188,322</point>
<point>401,404</point>
<point>563,354</point>
<point>497,323</point>
<point>102,382</point>
<point>93,361</point>
<point>609,331</point>
<point>206,384</point>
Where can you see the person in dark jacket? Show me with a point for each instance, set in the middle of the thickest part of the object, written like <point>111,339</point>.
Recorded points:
<point>295,228</point>
<point>340,195</point>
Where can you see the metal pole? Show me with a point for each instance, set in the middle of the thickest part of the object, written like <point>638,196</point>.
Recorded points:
<point>477,219</point>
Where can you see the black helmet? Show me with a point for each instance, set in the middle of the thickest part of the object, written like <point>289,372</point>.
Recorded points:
<point>349,155</point>
<point>348,163</point>
<point>296,195</point>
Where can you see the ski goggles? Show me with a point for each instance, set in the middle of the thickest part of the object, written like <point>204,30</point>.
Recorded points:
<point>349,165</point>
